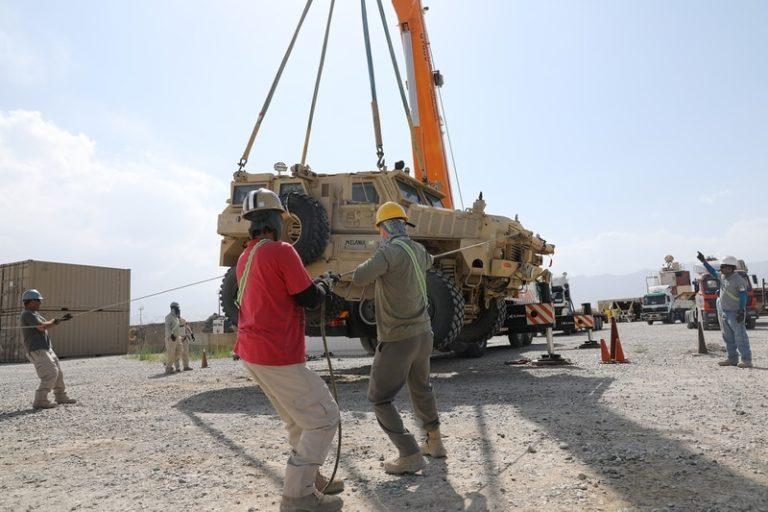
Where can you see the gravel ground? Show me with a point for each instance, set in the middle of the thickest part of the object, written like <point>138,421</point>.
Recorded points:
<point>671,431</point>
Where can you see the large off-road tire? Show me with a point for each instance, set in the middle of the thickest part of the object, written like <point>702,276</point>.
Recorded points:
<point>473,338</point>
<point>228,295</point>
<point>307,229</point>
<point>446,309</point>
<point>520,339</point>
<point>369,344</point>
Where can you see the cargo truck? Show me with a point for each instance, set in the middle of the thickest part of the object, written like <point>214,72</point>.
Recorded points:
<point>669,294</point>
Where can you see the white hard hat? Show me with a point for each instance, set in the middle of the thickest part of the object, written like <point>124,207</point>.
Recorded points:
<point>730,260</point>
<point>261,200</point>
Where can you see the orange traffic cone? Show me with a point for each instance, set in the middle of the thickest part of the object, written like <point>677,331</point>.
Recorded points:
<point>619,357</point>
<point>204,360</point>
<point>605,356</point>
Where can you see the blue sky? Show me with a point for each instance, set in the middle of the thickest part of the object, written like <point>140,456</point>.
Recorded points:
<point>621,131</point>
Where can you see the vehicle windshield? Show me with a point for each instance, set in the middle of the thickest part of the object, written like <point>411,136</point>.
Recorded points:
<point>652,300</point>
<point>287,188</point>
<point>240,191</point>
<point>557,295</point>
<point>409,192</point>
<point>711,285</point>
<point>433,200</point>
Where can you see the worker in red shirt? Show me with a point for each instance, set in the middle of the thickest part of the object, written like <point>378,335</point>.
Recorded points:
<point>274,288</point>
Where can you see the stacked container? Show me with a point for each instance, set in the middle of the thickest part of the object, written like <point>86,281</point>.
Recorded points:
<point>67,289</point>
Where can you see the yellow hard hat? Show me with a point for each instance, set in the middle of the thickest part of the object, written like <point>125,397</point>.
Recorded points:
<point>391,210</point>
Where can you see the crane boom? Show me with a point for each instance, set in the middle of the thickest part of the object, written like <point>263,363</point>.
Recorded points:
<point>422,81</point>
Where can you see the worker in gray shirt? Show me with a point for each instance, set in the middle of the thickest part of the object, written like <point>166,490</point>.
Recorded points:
<point>37,341</point>
<point>732,310</point>
<point>398,269</point>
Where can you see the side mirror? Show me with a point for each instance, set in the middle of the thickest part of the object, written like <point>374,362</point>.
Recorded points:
<point>754,278</point>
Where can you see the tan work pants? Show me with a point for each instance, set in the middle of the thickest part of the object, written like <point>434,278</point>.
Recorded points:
<point>397,364</point>
<point>51,377</point>
<point>183,353</point>
<point>311,417</point>
<point>172,353</point>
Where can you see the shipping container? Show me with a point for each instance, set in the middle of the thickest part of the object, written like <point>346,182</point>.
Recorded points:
<point>65,287</point>
<point>93,334</point>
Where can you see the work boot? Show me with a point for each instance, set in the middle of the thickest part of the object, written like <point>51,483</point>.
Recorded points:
<point>315,502</point>
<point>335,488</point>
<point>726,362</point>
<point>433,445</point>
<point>41,401</point>
<point>43,405</point>
<point>745,364</point>
<point>168,370</point>
<point>188,369</point>
<point>408,464</point>
<point>64,399</point>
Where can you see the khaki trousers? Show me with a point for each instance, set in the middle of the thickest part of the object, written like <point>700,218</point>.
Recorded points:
<point>172,353</point>
<point>311,417</point>
<point>183,353</point>
<point>51,377</point>
<point>395,365</point>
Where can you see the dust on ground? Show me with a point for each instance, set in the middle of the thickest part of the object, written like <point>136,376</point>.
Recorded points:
<point>670,431</point>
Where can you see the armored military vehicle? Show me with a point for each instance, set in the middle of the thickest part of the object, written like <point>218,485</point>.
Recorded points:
<point>330,222</point>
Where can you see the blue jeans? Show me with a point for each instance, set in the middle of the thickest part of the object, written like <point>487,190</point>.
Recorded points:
<point>735,337</point>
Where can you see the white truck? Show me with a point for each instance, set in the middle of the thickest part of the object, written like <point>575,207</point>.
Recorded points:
<point>669,294</point>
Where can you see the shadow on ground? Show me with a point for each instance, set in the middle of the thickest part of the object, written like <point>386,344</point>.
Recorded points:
<point>642,465</point>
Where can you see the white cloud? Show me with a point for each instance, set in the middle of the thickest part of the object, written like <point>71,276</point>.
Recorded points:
<point>714,196</point>
<point>61,201</point>
<point>621,252</point>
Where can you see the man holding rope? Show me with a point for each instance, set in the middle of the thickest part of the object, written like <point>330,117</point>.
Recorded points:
<point>40,352</point>
<point>404,332</point>
<point>274,288</point>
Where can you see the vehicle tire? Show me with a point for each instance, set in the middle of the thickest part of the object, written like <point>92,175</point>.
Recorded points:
<point>520,339</point>
<point>446,309</point>
<point>598,323</point>
<point>750,323</point>
<point>228,295</point>
<point>369,345</point>
<point>650,322</point>
<point>473,338</point>
<point>307,229</point>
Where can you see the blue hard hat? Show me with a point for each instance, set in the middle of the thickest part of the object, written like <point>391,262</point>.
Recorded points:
<point>31,295</point>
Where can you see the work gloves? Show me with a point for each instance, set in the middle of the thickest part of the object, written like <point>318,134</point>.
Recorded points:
<point>63,318</point>
<point>700,257</point>
<point>740,316</point>
<point>326,281</point>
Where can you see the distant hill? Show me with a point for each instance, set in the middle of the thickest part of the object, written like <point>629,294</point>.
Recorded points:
<point>609,286</point>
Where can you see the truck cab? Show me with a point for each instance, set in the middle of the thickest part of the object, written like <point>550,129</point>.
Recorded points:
<point>657,306</point>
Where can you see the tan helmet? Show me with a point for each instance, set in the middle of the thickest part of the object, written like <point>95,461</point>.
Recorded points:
<point>261,200</point>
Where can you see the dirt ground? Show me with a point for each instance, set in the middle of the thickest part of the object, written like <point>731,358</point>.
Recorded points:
<point>671,431</point>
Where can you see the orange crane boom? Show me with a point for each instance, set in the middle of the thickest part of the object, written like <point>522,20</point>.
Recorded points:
<point>422,80</point>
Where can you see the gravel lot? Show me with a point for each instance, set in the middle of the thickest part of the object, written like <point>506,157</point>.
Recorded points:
<point>671,431</point>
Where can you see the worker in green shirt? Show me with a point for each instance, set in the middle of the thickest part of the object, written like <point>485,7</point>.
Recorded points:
<point>398,269</point>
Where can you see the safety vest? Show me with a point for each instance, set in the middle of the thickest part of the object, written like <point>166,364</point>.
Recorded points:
<point>420,274</point>
<point>246,271</point>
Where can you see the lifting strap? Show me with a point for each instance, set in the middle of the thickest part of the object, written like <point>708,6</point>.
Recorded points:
<point>420,275</point>
<point>246,271</point>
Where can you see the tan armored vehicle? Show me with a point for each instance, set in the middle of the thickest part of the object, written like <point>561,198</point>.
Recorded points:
<point>332,217</point>
<point>331,224</point>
